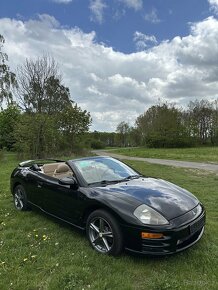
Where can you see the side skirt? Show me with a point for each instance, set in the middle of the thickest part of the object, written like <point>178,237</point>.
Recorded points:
<point>74,225</point>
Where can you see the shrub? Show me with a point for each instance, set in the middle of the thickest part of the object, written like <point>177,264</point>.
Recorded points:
<point>97,145</point>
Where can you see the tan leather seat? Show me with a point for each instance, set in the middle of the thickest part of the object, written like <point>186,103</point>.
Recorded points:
<point>63,170</point>
<point>50,168</point>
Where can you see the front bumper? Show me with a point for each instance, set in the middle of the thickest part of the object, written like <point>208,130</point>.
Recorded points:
<point>174,240</point>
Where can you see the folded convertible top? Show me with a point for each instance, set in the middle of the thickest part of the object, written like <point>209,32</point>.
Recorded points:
<point>30,162</point>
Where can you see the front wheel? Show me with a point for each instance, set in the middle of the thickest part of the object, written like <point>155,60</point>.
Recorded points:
<point>104,233</point>
<point>20,198</point>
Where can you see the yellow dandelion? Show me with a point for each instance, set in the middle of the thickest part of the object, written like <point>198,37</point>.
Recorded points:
<point>44,237</point>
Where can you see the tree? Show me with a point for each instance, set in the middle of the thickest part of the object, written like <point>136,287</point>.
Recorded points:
<point>62,133</point>
<point>39,87</point>
<point>7,78</point>
<point>73,122</point>
<point>201,120</point>
<point>214,131</point>
<point>99,140</point>
<point>8,120</point>
<point>162,126</point>
<point>41,96</point>
<point>123,130</point>
<point>56,122</point>
<point>33,138</point>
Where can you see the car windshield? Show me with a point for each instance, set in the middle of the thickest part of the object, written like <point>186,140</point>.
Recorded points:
<point>104,170</point>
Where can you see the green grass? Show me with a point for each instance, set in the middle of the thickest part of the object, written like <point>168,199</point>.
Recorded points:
<point>199,154</point>
<point>38,253</point>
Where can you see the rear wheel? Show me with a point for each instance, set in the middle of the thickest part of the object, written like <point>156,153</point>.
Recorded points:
<point>20,198</point>
<point>104,233</point>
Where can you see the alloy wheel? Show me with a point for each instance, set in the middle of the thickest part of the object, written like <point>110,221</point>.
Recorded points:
<point>18,199</point>
<point>101,235</point>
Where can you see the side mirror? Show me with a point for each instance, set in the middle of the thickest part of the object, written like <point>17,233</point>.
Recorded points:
<point>68,181</point>
<point>35,167</point>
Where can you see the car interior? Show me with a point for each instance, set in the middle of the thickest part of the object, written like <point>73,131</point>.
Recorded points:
<point>57,170</point>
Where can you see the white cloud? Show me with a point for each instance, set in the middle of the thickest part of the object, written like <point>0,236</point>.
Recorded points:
<point>135,4</point>
<point>152,16</point>
<point>115,86</point>
<point>214,5</point>
<point>97,8</point>
<point>142,41</point>
<point>62,1</point>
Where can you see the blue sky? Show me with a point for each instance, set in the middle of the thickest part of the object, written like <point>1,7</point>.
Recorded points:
<point>119,57</point>
<point>164,19</point>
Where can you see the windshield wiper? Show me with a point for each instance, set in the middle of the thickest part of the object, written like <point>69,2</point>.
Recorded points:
<point>130,177</point>
<point>104,182</point>
<point>108,181</point>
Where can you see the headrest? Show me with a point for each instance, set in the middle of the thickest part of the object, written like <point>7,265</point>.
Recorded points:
<point>49,166</point>
<point>62,168</point>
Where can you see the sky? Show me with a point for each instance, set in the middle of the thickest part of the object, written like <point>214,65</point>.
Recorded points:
<point>119,57</point>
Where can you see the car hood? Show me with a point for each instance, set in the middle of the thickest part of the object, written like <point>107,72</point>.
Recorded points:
<point>165,197</point>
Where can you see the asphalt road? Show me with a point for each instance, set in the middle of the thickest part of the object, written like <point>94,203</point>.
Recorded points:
<point>176,163</point>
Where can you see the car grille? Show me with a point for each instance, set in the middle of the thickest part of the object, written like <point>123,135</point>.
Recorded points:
<point>156,245</point>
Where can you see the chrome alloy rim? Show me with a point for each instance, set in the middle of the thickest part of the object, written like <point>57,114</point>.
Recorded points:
<point>101,235</point>
<point>18,199</point>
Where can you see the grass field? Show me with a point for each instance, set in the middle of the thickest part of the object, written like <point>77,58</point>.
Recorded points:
<point>199,154</point>
<point>38,253</point>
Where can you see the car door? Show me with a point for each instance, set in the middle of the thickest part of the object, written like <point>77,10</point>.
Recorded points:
<point>34,180</point>
<point>60,200</point>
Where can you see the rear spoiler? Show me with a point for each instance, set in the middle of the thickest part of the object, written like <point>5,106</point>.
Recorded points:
<point>27,163</point>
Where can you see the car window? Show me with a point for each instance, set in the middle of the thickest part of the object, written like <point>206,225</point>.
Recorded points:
<point>100,169</point>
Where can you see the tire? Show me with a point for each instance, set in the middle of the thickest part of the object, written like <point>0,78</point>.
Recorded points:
<point>20,198</point>
<point>103,233</point>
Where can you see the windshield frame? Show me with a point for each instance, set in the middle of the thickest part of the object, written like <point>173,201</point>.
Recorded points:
<point>83,181</point>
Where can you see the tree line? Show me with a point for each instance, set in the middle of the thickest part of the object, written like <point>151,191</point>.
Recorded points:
<point>38,117</point>
<point>166,125</point>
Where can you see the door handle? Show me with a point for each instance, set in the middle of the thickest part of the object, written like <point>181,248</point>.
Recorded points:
<point>39,184</point>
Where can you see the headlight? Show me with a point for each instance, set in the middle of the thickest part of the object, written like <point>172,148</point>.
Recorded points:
<point>149,216</point>
<point>197,210</point>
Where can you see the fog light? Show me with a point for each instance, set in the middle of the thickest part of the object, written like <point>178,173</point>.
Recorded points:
<point>151,235</point>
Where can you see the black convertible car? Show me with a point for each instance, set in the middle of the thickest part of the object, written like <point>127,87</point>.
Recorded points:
<point>116,206</point>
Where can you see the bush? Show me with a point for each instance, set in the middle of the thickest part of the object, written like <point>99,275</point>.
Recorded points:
<point>169,142</point>
<point>97,145</point>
